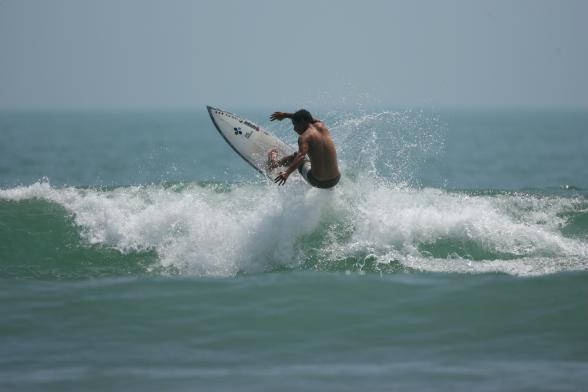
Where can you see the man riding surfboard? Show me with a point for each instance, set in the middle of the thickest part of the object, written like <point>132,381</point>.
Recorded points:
<point>315,141</point>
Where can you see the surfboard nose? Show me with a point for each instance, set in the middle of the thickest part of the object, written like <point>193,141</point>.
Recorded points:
<point>213,112</point>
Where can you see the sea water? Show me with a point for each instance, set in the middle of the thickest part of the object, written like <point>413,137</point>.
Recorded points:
<point>139,252</point>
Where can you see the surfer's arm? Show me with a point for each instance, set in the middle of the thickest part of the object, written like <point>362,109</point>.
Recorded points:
<point>287,159</point>
<point>280,116</point>
<point>298,160</point>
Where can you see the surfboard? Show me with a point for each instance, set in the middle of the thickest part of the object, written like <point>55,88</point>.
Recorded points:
<point>249,140</point>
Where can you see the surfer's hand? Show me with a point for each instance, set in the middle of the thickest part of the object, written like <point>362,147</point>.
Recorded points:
<point>281,178</point>
<point>279,116</point>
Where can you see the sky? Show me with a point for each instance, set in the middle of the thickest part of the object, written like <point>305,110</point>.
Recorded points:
<point>129,54</point>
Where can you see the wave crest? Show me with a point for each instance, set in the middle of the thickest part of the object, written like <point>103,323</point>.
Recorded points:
<point>223,230</point>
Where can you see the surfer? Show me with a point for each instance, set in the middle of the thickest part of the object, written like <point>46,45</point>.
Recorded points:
<point>315,140</point>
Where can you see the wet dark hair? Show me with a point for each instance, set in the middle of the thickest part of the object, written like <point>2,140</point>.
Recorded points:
<point>302,115</point>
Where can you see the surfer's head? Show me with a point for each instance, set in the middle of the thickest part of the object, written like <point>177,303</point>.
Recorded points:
<point>301,119</point>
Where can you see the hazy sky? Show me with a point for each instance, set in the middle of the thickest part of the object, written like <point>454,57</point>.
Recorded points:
<point>254,53</point>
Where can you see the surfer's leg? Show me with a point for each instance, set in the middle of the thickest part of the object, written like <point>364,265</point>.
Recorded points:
<point>304,169</point>
<point>272,159</point>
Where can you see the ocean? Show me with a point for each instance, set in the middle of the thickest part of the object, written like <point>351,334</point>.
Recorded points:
<point>139,252</point>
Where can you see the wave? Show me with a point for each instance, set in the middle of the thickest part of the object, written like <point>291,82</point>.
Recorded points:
<point>217,229</point>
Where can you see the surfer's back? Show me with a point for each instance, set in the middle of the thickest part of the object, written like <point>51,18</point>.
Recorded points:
<point>322,151</point>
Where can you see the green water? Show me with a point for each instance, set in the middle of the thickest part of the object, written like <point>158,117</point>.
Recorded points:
<point>138,252</point>
<point>296,330</point>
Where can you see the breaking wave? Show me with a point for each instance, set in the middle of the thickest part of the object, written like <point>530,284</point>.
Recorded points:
<point>215,229</point>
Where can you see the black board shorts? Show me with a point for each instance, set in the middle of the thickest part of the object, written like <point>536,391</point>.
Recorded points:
<point>306,172</point>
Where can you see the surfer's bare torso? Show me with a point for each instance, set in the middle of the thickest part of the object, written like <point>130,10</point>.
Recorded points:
<point>314,141</point>
<point>321,151</point>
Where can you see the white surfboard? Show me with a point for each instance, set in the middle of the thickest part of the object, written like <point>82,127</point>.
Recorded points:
<point>249,140</point>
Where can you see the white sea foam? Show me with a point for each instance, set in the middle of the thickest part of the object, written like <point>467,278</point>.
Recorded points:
<point>197,229</point>
<point>207,231</point>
